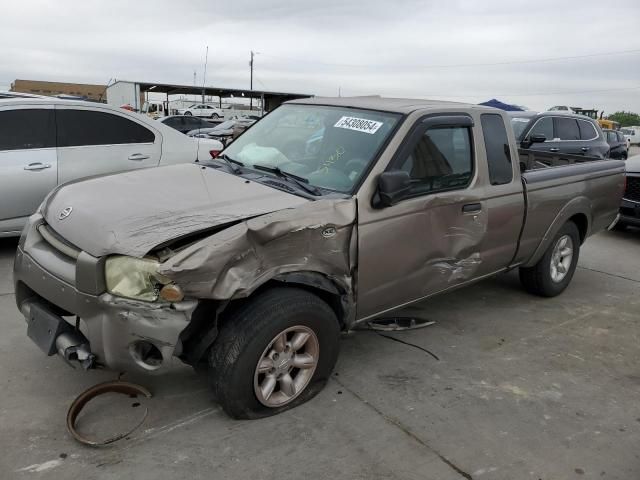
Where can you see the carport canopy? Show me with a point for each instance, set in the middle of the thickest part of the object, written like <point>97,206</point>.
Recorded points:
<point>270,100</point>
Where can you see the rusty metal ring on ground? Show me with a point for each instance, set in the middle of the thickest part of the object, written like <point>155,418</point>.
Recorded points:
<point>81,400</point>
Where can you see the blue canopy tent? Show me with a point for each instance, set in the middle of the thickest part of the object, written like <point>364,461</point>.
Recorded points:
<point>502,106</point>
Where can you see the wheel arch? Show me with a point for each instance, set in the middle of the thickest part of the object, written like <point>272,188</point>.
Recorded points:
<point>202,330</point>
<point>577,211</point>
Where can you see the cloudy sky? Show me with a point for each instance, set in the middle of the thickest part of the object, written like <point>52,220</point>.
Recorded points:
<point>463,50</point>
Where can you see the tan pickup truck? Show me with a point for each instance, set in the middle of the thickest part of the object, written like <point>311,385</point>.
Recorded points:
<point>323,215</point>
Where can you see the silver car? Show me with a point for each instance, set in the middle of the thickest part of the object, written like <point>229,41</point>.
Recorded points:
<point>45,142</point>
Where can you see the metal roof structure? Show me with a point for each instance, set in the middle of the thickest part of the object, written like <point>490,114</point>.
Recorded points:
<point>270,100</point>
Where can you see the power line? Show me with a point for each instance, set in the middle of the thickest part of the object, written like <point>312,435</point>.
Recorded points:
<point>537,94</point>
<point>461,65</point>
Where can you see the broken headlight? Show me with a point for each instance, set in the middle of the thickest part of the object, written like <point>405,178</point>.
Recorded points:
<point>135,278</point>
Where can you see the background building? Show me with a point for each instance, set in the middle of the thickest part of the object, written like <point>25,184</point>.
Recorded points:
<point>38,87</point>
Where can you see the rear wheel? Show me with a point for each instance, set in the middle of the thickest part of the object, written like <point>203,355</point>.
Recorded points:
<point>554,271</point>
<point>273,353</point>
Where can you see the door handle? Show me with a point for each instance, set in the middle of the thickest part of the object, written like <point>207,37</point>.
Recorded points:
<point>585,149</point>
<point>471,207</point>
<point>554,149</point>
<point>37,166</point>
<point>138,156</point>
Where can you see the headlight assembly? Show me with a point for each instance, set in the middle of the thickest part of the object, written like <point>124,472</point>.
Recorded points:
<point>135,278</point>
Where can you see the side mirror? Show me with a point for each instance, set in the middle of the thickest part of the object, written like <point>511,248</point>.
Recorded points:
<point>393,186</point>
<point>531,139</point>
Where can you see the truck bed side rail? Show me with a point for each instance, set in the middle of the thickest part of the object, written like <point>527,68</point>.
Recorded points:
<point>533,160</point>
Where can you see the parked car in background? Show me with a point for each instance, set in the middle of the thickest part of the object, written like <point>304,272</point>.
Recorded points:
<point>251,265</point>
<point>9,94</point>
<point>201,110</point>
<point>619,148</point>
<point>561,133</point>
<point>630,207</point>
<point>632,134</point>
<point>186,123</point>
<point>47,142</point>
<point>225,131</point>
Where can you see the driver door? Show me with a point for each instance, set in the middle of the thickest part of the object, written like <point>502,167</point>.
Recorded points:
<point>431,240</point>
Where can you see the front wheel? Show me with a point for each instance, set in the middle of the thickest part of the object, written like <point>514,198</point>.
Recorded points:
<point>188,113</point>
<point>215,116</point>
<point>554,271</point>
<point>274,352</point>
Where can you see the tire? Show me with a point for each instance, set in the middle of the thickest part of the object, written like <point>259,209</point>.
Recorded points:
<point>248,336</point>
<point>188,113</point>
<point>540,279</point>
<point>215,115</point>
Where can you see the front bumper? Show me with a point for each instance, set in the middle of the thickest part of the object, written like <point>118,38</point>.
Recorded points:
<point>119,331</point>
<point>629,213</point>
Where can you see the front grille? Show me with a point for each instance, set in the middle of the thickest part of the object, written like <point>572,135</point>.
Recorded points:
<point>57,242</point>
<point>633,189</point>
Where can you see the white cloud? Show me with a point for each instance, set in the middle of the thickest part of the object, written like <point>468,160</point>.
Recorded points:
<point>362,47</point>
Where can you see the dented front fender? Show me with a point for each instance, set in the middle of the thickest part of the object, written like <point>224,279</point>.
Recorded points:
<point>317,237</point>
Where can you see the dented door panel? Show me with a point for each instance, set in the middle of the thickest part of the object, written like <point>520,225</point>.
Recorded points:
<point>418,248</point>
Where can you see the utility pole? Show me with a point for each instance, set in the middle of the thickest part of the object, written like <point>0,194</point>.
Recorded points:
<point>204,76</point>
<point>251,81</point>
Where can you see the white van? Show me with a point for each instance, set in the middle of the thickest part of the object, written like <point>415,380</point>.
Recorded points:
<point>155,109</point>
<point>632,134</point>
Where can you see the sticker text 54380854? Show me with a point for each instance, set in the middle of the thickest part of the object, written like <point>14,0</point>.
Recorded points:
<point>358,124</point>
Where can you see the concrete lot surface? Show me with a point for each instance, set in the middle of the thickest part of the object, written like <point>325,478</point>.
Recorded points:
<point>524,388</point>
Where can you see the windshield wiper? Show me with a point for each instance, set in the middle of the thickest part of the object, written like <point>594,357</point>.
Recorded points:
<point>301,182</point>
<point>233,164</point>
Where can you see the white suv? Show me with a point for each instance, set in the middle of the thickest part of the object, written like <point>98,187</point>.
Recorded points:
<point>45,142</point>
<point>201,110</point>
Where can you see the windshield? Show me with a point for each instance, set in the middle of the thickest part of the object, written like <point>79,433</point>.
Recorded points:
<point>519,124</point>
<point>331,147</point>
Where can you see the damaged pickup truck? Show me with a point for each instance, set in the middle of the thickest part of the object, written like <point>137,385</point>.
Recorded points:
<point>325,214</point>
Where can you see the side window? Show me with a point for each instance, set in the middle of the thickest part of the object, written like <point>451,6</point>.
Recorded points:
<point>620,137</point>
<point>27,129</point>
<point>543,126</point>
<point>496,143</point>
<point>567,129</point>
<point>611,137</point>
<point>587,132</point>
<point>441,160</point>
<point>87,127</point>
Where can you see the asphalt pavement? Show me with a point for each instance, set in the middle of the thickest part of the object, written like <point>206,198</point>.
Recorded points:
<point>523,388</point>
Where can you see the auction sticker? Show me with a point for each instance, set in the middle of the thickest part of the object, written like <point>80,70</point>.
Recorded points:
<point>358,124</point>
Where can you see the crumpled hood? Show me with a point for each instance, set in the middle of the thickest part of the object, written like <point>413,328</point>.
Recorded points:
<point>132,212</point>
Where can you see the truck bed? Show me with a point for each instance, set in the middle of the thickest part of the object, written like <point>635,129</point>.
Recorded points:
<point>558,191</point>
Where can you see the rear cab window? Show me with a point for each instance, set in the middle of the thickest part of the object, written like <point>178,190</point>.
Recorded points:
<point>88,127</point>
<point>496,144</point>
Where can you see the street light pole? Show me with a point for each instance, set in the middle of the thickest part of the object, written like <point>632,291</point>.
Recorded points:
<point>251,81</point>
<point>204,76</point>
